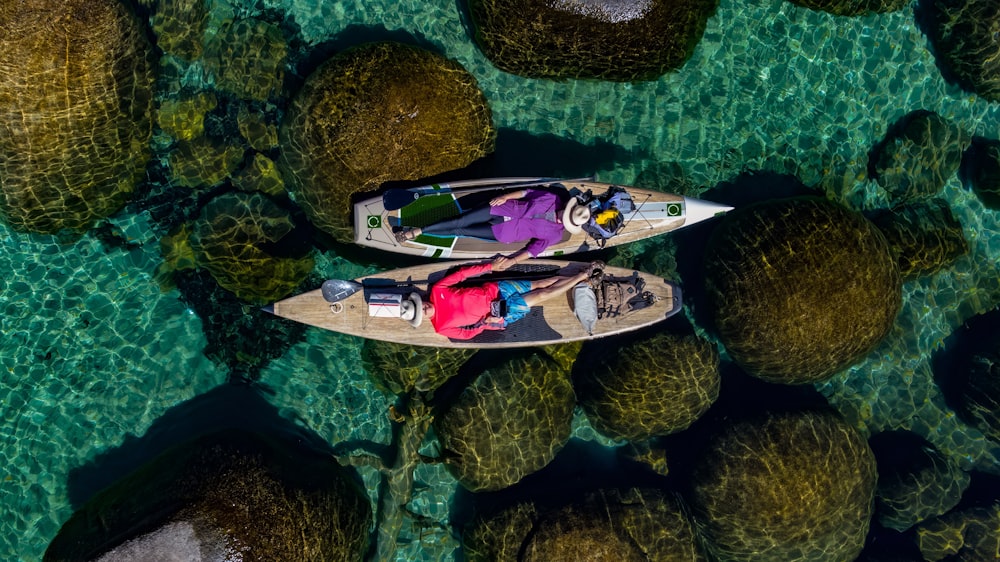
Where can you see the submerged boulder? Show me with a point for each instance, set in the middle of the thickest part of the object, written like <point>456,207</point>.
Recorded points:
<point>965,534</point>
<point>620,525</point>
<point>650,387</point>
<point>915,481</point>
<point>183,118</point>
<point>853,7</point>
<point>800,288</point>
<point>918,155</point>
<point>792,486</point>
<point>619,40</point>
<point>925,237</point>
<point>247,59</point>
<point>400,368</point>
<point>251,246</point>
<point>510,422</point>
<point>500,536</point>
<point>973,381</point>
<point>376,113</point>
<point>261,174</point>
<point>963,35</point>
<point>76,91</point>
<point>981,165</point>
<point>634,524</point>
<point>179,26</point>
<point>257,129</point>
<point>230,495</point>
<point>204,161</point>
<point>568,533</point>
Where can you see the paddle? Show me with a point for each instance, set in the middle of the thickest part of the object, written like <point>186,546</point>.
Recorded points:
<point>397,198</point>
<point>336,290</point>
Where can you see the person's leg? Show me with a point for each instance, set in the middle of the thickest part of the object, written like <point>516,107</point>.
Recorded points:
<point>512,292</point>
<point>542,283</point>
<point>477,223</point>
<point>553,287</point>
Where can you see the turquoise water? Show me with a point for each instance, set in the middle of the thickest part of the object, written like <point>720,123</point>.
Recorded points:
<point>93,353</point>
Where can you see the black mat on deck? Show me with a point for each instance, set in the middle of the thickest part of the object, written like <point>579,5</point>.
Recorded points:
<point>532,327</point>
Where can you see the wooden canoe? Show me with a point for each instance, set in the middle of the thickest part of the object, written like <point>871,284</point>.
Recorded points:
<point>655,213</point>
<point>553,322</point>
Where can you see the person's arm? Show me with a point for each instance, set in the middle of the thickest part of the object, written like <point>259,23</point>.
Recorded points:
<point>501,199</point>
<point>464,332</point>
<point>505,262</point>
<point>464,273</point>
<point>494,323</point>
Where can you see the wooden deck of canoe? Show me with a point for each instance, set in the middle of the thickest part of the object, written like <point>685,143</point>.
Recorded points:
<point>656,213</point>
<point>554,322</point>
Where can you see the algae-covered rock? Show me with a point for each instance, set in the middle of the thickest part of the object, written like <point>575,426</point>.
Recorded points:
<point>262,175</point>
<point>657,520</point>
<point>75,111</point>
<point>179,26</point>
<point>177,254</point>
<point>580,532</point>
<point>247,59</point>
<point>853,7</point>
<point>241,240</point>
<point>919,154</point>
<point>375,113</point>
<point>401,368</point>
<point>915,481</point>
<point>623,41</point>
<point>184,118</point>
<point>649,453</point>
<point>500,536</point>
<point>800,288</point>
<point>785,486</point>
<point>230,495</point>
<point>966,535</point>
<point>510,422</point>
<point>648,388</point>
<point>976,376</point>
<point>564,354</point>
<point>925,237</point>
<point>982,170</point>
<point>249,244</point>
<point>204,162</point>
<point>619,525</point>
<point>963,35</point>
<point>259,133</point>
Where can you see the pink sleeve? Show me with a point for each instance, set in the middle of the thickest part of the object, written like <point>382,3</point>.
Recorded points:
<point>459,333</point>
<point>464,273</point>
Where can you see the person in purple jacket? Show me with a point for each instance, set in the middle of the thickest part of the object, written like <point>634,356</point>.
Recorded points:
<point>534,216</point>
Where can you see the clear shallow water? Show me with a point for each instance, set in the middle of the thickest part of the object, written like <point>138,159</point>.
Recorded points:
<point>93,352</point>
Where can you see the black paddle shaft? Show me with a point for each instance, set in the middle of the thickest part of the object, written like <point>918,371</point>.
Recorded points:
<point>336,290</point>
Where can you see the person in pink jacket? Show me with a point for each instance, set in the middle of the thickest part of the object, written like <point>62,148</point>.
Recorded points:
<point>461,313</point>
<point>535,216</point>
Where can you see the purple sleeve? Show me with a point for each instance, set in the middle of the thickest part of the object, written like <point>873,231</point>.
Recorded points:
<point>541,199</point>
<point>552,234</point>
<point>537,246</point>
